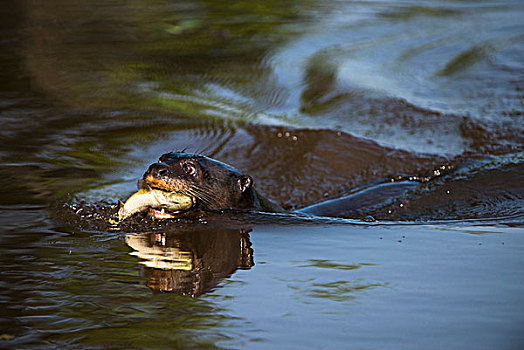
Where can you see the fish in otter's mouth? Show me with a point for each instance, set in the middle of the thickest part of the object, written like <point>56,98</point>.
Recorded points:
<point>165,204</point>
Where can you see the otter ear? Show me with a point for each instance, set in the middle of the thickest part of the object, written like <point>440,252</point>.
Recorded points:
<point>245,182</point>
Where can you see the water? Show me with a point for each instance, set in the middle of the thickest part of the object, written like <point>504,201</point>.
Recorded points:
<point>311,99</point>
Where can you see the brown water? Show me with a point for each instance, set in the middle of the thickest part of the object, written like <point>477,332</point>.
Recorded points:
<point>311,99</point>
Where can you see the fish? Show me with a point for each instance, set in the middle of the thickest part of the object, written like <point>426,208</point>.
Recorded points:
<point>146,199</point>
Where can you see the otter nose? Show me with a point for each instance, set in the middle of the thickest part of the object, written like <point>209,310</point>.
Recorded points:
<point>158,170</point>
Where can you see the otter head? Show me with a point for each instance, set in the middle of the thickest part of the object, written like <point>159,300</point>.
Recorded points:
<point>214,186</point>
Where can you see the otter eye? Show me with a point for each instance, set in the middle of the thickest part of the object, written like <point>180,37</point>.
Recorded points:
<point>189,169</point>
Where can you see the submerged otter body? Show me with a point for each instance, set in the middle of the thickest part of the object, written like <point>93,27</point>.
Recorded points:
<point>214,186</point>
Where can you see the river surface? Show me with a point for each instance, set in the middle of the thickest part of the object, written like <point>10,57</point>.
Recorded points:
<point>312,99</point>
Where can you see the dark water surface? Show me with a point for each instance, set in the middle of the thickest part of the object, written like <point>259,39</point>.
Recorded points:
<point>311,99</point>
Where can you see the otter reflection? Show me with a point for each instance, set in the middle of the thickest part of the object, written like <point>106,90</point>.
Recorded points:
<point>190,262</point>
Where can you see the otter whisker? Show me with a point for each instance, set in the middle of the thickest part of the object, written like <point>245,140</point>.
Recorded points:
<point>200,197</point>
<point>209,197</point>
<point>200,193</point>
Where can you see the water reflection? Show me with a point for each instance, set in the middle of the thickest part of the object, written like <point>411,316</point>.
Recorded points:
<point>340,281</point>
<point>425,76</point>
<point>190,262</point>
<point>340,291</point>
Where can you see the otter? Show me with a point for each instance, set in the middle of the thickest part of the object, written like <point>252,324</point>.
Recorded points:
<point>183,182</point>
<point>213,185</point>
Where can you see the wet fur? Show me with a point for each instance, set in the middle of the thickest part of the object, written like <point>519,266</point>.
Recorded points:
<point>215,186</point>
